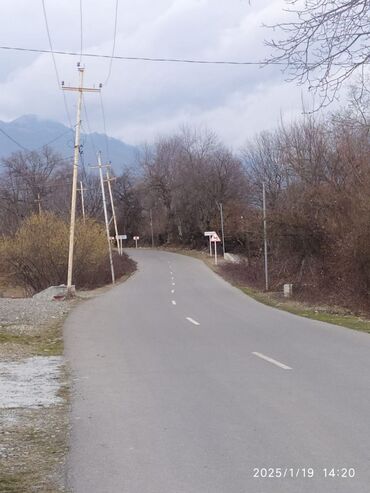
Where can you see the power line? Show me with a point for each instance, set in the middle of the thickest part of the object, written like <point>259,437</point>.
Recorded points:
<point>81,31</point>
<point>55,63</point>
<point>59,160</point>
<point>56,138</point>
<point>114,44</point>
<point>89,132</point>
<point>104,126</point>
<point>168,60</point>
<point>13,140</point>
<point>45,186</point>
<point>37,148</point>
<point>144,59</point>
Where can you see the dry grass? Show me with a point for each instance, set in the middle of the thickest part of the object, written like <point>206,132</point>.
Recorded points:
<point>36,256</point>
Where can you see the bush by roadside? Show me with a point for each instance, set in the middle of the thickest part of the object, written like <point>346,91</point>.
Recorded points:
<point>36,256</point>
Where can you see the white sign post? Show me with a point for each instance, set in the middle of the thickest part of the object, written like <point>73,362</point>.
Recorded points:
<point>210,234</point>
<point>120,242</point>
<point>136,238</point>
<point>215,239</point>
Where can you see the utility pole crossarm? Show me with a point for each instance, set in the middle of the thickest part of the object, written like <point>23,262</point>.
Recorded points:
<point>80,89</point>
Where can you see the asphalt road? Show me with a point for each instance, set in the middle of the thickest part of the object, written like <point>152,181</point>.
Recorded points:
<point>182,384</point>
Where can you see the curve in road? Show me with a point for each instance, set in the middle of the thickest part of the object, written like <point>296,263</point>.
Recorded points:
<point>182,384</point>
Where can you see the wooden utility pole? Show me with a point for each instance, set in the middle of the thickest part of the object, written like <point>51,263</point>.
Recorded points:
<point>265,236</point>
<point>151,227</point>
<point>220,206</point>
<point>38,200</point>
<point>100,166</point>
<point>80,89</point>
<point>109,180</point>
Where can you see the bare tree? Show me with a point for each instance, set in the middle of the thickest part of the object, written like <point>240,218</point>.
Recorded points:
<point>31,182</point>
<point>325,44</point>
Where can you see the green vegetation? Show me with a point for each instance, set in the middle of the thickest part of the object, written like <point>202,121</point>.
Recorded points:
<point>37,450</point>
<point>303,310</point>
<point>10,483</point>
<point>40,342</point>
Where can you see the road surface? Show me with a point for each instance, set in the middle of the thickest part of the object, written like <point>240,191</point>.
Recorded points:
<point>182,384</point>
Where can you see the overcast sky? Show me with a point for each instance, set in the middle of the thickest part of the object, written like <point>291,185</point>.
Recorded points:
<point>145,99</point>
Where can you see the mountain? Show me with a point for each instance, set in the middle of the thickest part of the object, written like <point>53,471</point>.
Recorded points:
<point>33,132</point>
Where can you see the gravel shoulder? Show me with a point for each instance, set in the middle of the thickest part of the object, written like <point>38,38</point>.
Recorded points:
<point>34,395</point>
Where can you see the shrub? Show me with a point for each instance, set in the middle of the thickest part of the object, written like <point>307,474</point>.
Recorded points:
<point>37,255</point>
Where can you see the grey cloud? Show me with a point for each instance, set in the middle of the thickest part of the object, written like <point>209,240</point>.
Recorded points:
<point>145,99</point>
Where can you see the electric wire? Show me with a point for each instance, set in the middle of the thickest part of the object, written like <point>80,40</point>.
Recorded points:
<point>14,140</point>
<point>59,160</point>
<point>89,132</point>
<point>55,139</point>
<point>50,186</point>
<point>21,146</point>
<point>81,31</point>
<point>144,59</point>
<point>55,63</point>
<point>114,44</point>
<point>104,126</point>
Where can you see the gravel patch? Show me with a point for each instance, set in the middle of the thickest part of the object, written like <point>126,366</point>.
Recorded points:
<point>31,312</point>
<point>33,382</point>
<point>34,395</point>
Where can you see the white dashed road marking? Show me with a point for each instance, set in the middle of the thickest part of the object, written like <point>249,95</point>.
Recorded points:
<point>273,361</point>
<point>191,320</point>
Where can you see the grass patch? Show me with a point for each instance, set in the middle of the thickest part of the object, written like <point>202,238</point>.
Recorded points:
<point>36,451</point>
<point>350,321</point>
<point>10,483</point>
<point>40,342</point>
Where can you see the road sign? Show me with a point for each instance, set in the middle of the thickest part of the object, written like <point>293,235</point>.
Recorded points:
<point>214,239</point>
<point>136,238</point>
<point>210,234</point>
<point>120,239</point>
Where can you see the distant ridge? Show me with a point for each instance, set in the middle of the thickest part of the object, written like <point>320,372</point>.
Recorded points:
<point>33,132</point>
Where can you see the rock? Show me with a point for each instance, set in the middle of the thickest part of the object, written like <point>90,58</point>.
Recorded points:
<point>53,293</point>
<point>229,257</point>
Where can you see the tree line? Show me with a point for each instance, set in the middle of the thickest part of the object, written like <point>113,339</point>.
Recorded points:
<point>316,174</point>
